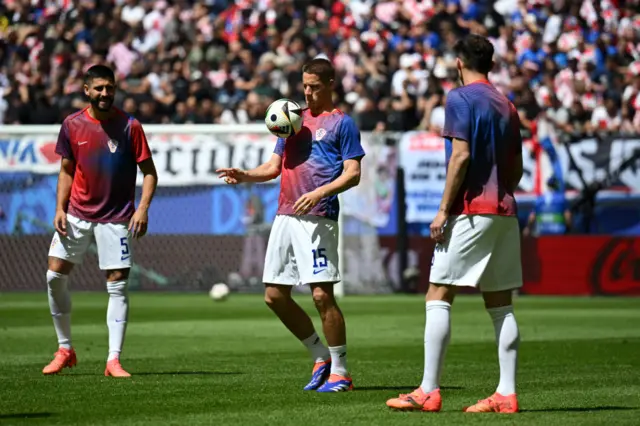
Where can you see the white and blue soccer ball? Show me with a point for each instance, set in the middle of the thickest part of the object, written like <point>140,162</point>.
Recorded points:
<point>219,292</point>
<point>284,118</point>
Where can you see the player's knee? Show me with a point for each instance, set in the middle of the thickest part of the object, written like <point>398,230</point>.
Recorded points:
<point>56,281</point>
<point>497,299</point>
<point>323,298</point>
<point>274,297</point>
<point>442,292</point>
<point>117,274</point>
<point>60,266</point>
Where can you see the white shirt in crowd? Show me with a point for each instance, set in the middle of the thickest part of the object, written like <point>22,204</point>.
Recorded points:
<point>602,120</point>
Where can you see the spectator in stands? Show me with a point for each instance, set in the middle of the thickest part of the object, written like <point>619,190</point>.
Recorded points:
<point>551,215</point>
<point>390,55</point>
<point>433,107</point>
<point>607,117</point>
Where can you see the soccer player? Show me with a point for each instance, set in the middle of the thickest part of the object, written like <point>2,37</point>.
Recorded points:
<point>476,230</point>
<point>101,148</point>
<point>319,162</point>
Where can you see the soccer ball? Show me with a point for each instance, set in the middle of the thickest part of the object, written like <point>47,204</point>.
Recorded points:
<point>284,118</point>
<point>219,292</point>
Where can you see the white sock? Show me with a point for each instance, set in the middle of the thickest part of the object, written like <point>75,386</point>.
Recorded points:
<point>437,331</point>
<point>117,313</point>
<point>317,349</point>
<point>508,340</point>
<point>339,360</point>
<point>60,306</point>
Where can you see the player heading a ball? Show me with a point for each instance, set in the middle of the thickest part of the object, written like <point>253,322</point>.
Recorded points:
<point>284,118</point>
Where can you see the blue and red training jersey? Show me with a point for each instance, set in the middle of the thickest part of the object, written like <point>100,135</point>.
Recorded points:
<point>106,155</point>
<point>483,117</point>
<point>313,157</point>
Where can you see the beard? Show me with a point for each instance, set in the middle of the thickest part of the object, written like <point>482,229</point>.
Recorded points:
<point>106,103</point>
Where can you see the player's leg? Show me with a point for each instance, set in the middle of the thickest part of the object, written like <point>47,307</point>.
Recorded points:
<point>117,317</point>
<point>503,275</point>
<point>64,252</point>
<point>504,400</point>
<point>114,255</point>
<point>334,329</point>
<point>60,298</point>
<point>278,298</point>
<point>437,333</point>
<point>280,275</point>
<point>459,261</point>
<point>315,246</point>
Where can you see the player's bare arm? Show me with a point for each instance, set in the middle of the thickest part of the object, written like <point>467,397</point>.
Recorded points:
<point>349,178</point>
<point>140,219</point>
<point>456,172</point>
<point>65,180</point>
<point>263,173</point>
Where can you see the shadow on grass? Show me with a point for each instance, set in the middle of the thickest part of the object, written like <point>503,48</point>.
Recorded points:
<point>579,409</point>
<point>188,373</point>
<point>164,373</point>
<point>399,388</point>
<point>25,416</point>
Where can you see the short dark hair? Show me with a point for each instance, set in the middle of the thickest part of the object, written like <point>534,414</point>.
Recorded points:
<point>99,71</point>
<point>476,52</point>
<point>320,67</point>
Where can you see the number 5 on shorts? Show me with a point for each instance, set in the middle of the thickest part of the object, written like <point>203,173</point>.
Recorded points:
<point>125,248</point>
<point>319,254</point>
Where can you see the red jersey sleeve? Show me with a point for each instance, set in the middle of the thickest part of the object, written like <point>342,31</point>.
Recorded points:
<point>139,141</point>
<point>63,146</point>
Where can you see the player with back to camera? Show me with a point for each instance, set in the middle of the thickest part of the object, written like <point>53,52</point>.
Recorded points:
<point>476,230</point>
<point>319,162</point>
<point>101,148</point>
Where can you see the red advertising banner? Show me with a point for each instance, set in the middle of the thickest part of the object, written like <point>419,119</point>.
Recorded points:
<point>581,265</point>
<point>565,265</point>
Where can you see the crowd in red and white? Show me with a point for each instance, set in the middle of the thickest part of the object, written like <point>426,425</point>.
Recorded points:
<point>573,62</point>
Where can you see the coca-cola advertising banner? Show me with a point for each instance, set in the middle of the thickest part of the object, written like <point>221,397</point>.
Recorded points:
<point>575,265</point>
<point>566,265</point>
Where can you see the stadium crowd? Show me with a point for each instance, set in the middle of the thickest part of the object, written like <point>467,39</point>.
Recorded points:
<point>575,62</point>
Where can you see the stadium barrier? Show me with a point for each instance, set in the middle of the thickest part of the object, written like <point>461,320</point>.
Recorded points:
<point>202,231</point>
<point>560,265</point>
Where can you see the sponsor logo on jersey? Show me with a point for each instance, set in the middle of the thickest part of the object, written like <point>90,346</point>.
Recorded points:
<point>320,133</point>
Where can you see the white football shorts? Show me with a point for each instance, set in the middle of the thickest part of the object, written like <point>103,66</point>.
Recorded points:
<point>481,251</point>
<point>302,250</point>
<point>112,239</point>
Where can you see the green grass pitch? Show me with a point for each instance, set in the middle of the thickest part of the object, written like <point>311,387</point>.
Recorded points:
<point>197,362</point>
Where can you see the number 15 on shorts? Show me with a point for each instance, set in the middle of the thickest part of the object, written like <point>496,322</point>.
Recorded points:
<point>319,260</point>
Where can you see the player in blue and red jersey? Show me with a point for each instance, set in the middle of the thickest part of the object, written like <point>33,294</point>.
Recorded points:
<point>476,230</point>
<point>319,162</point>
<point>101,149</point>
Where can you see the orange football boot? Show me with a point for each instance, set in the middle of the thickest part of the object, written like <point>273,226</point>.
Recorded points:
<point>114,369</point>
<point>417,401</point>
<point>63,358</point>
<point>496,403</point>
